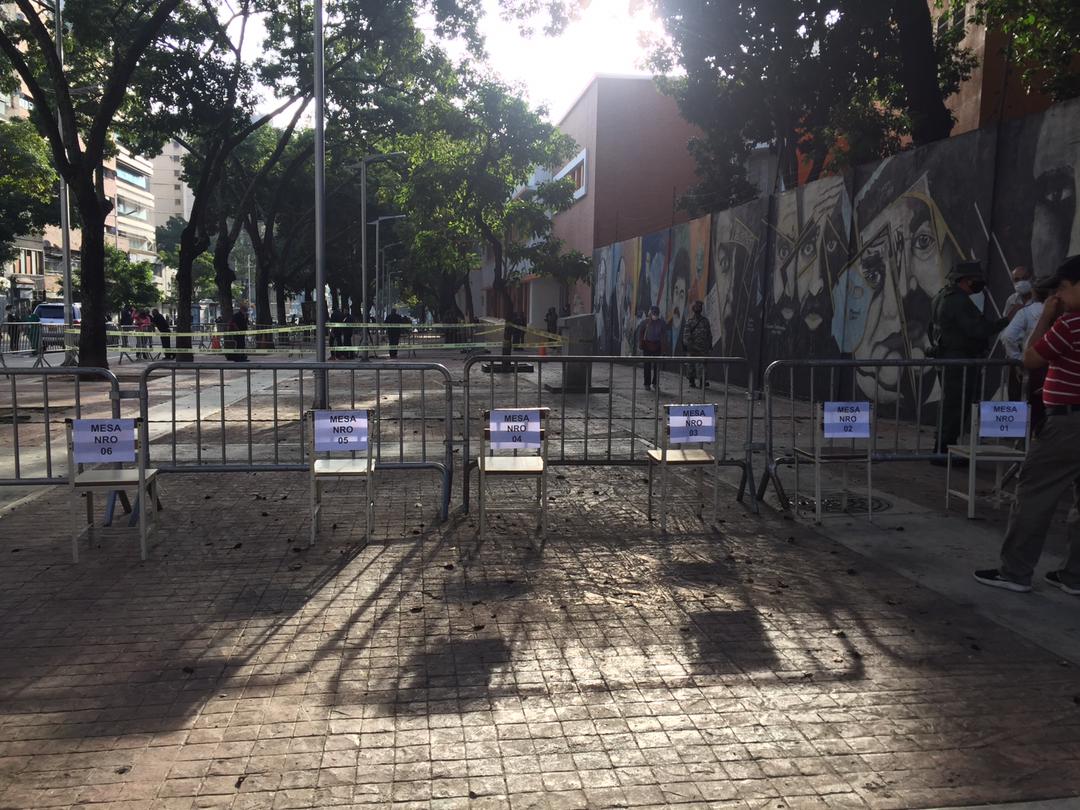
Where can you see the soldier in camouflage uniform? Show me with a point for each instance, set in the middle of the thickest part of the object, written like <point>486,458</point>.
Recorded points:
<point>961,331</point>
<point>697,342</point>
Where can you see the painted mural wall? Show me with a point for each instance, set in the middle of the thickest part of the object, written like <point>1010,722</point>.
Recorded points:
<point>847,266</point>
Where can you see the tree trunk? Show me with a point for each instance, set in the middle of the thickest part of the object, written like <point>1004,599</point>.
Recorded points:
<point>190,248</point>
<point>280,305</point>
<point>93,351</point>
<point>930,118</point>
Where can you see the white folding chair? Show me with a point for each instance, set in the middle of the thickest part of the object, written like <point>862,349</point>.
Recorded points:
<point>838,429</point>
<point>1000,425</point>
<point>687,425</point>
<point>520,431</point>
<point>334,433</point>
<point>93,442</point>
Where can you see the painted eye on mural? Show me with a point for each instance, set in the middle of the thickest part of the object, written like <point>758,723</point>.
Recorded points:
<point>808,249</point>
<point>831,244</point>
<point>1056,187</point>
<point>873,270</point>
<point>923,242</point>
<point>783,250</point>
<point>723,262</point>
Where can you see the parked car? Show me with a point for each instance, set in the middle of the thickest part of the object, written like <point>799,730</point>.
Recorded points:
<point>51,313</point>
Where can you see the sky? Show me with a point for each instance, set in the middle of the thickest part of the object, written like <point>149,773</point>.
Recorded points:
<point>605,38</point>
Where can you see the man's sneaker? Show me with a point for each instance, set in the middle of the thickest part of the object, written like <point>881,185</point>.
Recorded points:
<point>994,579</point>
<point>1054,578</point>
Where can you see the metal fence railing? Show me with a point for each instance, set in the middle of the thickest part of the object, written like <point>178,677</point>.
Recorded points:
<point>250,417</point>
<point>34,404</point>
<point>618,420</point>
<point>907,398</point>
<point>31,339</point>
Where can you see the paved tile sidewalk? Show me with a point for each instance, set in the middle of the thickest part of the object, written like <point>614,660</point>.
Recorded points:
<point>760,666</point>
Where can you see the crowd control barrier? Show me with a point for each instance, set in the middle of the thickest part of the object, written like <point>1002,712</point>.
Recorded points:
<point>34,404</point>
<point>906,396</point>
<point>618,421</point>
<point>240,417</point>
<point>31,339</point>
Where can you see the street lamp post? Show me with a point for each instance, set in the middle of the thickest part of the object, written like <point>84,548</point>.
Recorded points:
<point>375,222</point>
<point>65,210</point>
<point>381,280</point>
<point>363,236</point>
<point>321,399</point>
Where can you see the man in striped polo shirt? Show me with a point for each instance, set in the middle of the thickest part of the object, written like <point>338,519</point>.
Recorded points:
<point>1053,463</point>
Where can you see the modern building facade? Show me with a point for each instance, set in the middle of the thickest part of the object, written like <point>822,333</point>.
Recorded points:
<point>172,196</point>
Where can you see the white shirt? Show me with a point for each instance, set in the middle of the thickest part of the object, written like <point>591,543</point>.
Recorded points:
<point>1016,334</point>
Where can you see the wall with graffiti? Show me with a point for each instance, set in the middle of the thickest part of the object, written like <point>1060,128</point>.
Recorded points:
<point>847,266</point>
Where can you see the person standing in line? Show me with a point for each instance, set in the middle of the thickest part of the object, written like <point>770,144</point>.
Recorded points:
<point>551,320</point>
<point>12,327</point>
<point>237,326</point>
<point>652,345</point>
<point>1015,339</point>
<point>961,331</point>
<point>1022,279</point>
<point>142,324</point>
<point>393,333</point>
<point>1053,462</point>
<point>697,342</point>
<point>161,323</point>
<point>127,321</point>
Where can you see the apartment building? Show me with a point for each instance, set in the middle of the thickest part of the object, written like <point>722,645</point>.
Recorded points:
<point>172,196</point>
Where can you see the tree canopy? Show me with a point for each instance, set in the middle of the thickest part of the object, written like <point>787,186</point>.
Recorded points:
<point>28,185</point>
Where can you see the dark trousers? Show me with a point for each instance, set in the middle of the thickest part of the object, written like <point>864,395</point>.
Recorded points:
<point>166,344</point>
<point>697,369</point>
<point>393,347</point>
<point>652,370</point>
<point>959,389</point>
<point>1051,469</point>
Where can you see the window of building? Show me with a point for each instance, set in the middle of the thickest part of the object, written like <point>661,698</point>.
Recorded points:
<point>129,175</point>
<point>25,102</point>
<point>176,186</point>
<point>127,208</point>
<point>177,202</point>
<point>4,106</point>
<point>175,172</point>
<point>29,262</point>
<point>576,170</point>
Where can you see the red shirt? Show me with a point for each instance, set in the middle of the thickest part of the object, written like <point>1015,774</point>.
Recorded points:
<point>1061,347</point>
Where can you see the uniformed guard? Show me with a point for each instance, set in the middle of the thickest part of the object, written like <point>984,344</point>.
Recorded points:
<point>961,331</point>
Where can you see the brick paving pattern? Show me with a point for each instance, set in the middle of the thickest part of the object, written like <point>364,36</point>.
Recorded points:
<point>606,666</point>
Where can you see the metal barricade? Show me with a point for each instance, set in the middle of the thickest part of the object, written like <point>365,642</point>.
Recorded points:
<point>250,417</point>
<point>30,339</point>
<point>35,402</point>
<point>617,421</point>
<point>906,396</point>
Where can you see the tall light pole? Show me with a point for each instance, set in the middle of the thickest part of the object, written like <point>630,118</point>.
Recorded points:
<point>376,222</point>
<point>381,280</point>
<point>363,236</point>
<point>321,399</point>
<point>65,211</point>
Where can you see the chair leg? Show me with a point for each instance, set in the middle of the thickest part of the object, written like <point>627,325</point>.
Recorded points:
<point>314,511</point>
<point>543,502</point>
<point>817,492</point>
<point>483,511</point>
<point>369,508</point>
<point>89,508</point>
<point>144,504</point>
<point>77,527</point>
<point>649,514</point>
<point>948,479</point>
<point>971,488</point>
<point>700,493</point>
<point>663,497</point>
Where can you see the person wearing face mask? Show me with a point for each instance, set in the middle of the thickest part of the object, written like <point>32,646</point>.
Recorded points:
<point>652,345</point>
<point>1022,279</point>
<point>960,331</point>
<point>1016,334</point>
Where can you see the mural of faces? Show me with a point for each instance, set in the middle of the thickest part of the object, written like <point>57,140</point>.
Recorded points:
<point>810,249</point>
<point>600,298</point>
<point>1055,227</point>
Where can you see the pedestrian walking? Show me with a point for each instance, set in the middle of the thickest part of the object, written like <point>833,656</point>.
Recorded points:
<point>652,345</point>
<point>161,323</point>
<point>697,342</point>
<point>1053,462</point>
<point>961,331</point>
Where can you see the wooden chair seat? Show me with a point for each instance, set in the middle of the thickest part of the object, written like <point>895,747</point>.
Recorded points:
<point>513,465</point>
<point>988,452</point>
<point>113,479</point>
<point>690,455</point>
<point>340,466</point>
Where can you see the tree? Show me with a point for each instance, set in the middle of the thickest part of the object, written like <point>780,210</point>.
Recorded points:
<point>471,179</point>
<point>28,200</point>
<point>76,105</point>
<point>1044,37</point>
<point>128,283</point>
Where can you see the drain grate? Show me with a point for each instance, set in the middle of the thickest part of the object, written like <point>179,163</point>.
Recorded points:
<point>835,504</point>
